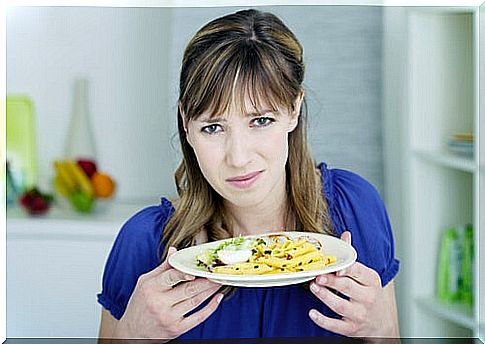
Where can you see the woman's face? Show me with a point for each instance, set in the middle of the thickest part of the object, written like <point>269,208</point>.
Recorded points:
<point>243,155</point>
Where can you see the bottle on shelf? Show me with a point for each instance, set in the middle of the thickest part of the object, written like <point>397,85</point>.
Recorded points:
<point>455,268</point>
<point>80,142</point>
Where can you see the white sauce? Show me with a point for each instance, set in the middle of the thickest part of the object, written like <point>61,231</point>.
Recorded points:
<point>234,256</point>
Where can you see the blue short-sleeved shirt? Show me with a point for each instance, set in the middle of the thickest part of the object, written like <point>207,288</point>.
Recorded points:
<point>354,205</point>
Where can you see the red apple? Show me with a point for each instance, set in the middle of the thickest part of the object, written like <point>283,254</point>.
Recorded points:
<point>26,199</point>
<point>35,202</point>
<point>38,206</point>
<point>88,166</point>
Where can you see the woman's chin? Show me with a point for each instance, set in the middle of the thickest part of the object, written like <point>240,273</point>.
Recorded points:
<point>245,200</point>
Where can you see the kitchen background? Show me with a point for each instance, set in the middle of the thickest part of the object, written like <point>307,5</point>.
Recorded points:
<point>132,57</point>
<point>129,59</point>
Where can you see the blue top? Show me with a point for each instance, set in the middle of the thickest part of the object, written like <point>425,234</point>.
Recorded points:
<point>354,205</point>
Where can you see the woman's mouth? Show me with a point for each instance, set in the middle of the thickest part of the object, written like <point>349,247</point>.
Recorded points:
<point>244,181</point>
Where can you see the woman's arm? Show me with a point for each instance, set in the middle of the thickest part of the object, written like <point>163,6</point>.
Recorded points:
<point>107,326</point>
<point>390,299</point>
<point>158,304</point>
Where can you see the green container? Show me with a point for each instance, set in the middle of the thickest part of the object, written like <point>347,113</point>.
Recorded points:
<point>21,142</point>
<point>455,266</point>
<point>448,267</point>
<point>466,287</point>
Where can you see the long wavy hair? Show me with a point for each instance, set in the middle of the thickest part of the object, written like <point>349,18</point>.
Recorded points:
<point>245,55</point>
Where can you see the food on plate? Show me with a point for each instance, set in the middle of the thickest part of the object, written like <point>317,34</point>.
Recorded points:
<point>267,254</point>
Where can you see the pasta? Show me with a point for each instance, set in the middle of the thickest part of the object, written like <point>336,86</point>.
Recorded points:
<point>268,255</point>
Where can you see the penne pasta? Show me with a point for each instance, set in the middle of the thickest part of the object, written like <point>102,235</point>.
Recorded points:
<point>243,269</point>
<point>306,259</point>
<point>274,254</point>
<point>301,250</point>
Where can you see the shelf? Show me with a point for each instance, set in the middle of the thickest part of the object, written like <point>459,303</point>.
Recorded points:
<point>458,313</point>
<point>455,161</point>
<point>104,222</point>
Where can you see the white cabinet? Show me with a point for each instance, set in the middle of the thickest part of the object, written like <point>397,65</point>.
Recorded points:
<point>431,91</point>
<point>54,271</point>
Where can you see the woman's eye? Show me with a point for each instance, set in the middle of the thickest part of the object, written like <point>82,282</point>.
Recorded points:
<point>211,129</point>
<point>263,121</point>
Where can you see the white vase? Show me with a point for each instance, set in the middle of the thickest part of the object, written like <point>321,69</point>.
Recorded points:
<point>80,142</point>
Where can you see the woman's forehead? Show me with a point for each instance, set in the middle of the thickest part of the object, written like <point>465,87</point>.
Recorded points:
<point>242,106</point>
<point>237,112</point>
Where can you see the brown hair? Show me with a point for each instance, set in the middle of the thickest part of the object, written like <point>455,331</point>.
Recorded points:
<point>245,54</point>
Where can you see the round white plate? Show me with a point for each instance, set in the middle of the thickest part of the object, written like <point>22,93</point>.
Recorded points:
<point>185,261</point>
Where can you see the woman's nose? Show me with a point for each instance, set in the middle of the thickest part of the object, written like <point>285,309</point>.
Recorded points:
<point>238,149</point>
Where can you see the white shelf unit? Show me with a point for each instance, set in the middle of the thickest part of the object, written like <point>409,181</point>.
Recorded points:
<point>62,214</point>
<point>456,313</point>
<point>443,158</point>
<point>55,264</point>
<point>430,92</point>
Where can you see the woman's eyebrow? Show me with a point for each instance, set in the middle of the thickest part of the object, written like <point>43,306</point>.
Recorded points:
<point>212,119</point>
<point>223,119</point>
<point>259,113</point>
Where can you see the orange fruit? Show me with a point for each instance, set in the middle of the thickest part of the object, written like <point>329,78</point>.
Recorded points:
<point>104,185</point>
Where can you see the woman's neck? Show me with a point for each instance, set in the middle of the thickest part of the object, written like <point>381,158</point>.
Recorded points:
<point>271,215</point>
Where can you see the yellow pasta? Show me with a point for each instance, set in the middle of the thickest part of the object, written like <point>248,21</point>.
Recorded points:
<point>273,261</point>
<point>301,250</point>
<point>306,259</point>
<point>329,259</point>
<point>280,255</point>
<point>320,264</point>
<point>243,269</point>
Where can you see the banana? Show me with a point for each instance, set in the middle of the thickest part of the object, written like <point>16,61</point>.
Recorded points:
<point>60,187</point>
<point>67,179</point>
<point>80,177</point>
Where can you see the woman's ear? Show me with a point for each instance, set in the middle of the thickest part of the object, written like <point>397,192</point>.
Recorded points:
<point>185,123</point>
<point>295,115</point>
<point>184,118</point>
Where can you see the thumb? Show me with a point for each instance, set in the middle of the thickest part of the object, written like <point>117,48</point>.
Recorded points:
<point>171,250</point>
<point>347,237</point>
<point>165,265</point>
<point>162,267</point>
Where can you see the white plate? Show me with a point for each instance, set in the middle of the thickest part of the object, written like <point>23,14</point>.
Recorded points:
<point>185,261</point>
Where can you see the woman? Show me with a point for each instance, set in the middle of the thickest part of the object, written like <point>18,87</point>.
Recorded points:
<point>247,169</point>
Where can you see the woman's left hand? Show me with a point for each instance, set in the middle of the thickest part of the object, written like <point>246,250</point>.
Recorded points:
<point>370,310</point>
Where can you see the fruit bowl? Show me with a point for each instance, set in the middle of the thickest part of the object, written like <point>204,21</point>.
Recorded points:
<point>82,184</point>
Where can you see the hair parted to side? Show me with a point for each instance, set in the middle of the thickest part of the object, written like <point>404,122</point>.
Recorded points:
<point>245,55</point>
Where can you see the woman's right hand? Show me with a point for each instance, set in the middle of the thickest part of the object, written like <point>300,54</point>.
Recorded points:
<point>159,303</point>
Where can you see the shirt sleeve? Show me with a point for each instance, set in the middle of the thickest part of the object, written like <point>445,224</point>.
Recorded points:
<point>360,210</point>
<point>135,251</point>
